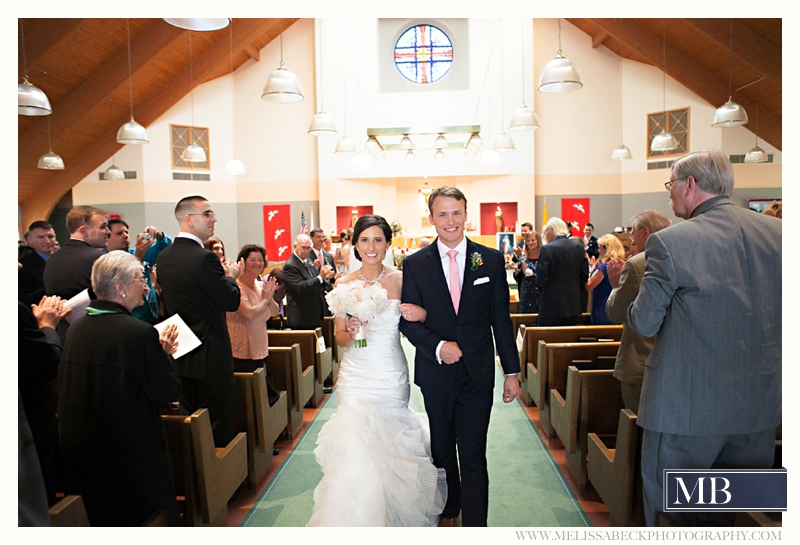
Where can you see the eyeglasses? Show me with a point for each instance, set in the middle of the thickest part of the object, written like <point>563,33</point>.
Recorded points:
<point>143,280</point>
<point>206,214</point>
<point>670,183</point>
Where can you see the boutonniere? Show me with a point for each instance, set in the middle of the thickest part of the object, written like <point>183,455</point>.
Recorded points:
<point>477,261</point>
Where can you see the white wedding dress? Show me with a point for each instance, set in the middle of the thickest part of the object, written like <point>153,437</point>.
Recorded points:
<point>375,451</point>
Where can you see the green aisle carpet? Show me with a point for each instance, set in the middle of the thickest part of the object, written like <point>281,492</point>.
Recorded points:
<point>526,488</point>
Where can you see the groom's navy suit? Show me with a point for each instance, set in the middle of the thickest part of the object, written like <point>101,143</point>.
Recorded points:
<point>458,397</point>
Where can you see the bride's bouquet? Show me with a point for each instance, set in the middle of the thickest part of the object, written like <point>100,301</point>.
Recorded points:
<point>357,300</point>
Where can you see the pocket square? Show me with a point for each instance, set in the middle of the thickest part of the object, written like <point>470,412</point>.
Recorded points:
<point>483,280</point>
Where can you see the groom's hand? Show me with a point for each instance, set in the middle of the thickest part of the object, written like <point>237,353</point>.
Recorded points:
<point>510,388</point>
<point>450,352</point>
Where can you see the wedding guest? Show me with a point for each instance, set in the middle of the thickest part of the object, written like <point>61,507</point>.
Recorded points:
<point>215,245</point>
<point>774,209</point>
<point>247,325</point>
<point>114,375</point>
<point>598,285</point>
<point>525,275</point>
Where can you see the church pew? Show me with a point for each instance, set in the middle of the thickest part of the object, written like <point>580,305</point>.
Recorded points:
<point>286,372</point>
<point>560,407</point>
<point>530,321</point>
<point>513,307</point>
<point>532,378</point>
<point>309,350</point>
<point>205,477</point>
<point>616,472</point>
<point>69,511</point>
<point>262,423</point>
<point>600,404</point>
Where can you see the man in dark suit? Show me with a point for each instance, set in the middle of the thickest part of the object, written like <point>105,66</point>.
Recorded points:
<point>462,285</point>
<point>69,270</point>
<point>590,241</point>
<point>305,286</point>
<point>40,243</point>
<point>320,258</point>
<point>196,286</point>
<point>561,274</point>
<point>711,396</point>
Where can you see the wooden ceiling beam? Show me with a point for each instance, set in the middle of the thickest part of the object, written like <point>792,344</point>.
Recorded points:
<point>598,39</point>
<point>41,203</point>
<point>253,53</point>
<point>687,72</point>
<point>97,89</point>
<point>763,57</point>
<point>43,36</point>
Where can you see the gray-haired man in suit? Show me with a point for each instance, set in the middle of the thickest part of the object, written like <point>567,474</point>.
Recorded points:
<point>711,396</point>
<point>625,277</point>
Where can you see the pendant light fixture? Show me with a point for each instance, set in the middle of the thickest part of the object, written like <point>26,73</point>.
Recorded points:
<point>756,155</point>
<point>560,75</point>
<point>523,118</point>
<point>193,153</point>
<point>322,123</point>
<point>730,114</point>
<point>345,145</point>
<point>30,99</point>
<point>50,160</point>
<point>113,172</point>
<point>234,167</point>
<point>503,142</point>
<point>621,152</point>
<point>282,85</point>
<point>664,141</point>
<point>131,132</point>
<point>200,25</point>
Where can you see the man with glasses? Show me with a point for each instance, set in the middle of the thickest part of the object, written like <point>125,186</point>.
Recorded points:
<point>711,396</point>
<point>200,289</point>
<point>305,286</point>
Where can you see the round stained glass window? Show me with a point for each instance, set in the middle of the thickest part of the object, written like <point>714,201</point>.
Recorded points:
<point>423,54</point>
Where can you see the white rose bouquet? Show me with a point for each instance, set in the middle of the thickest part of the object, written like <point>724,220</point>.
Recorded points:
<point>357,300</point>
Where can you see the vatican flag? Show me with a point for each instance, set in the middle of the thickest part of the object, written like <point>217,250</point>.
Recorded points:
<point>545,217</point>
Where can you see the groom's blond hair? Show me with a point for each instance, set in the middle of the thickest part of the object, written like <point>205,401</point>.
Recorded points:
<point>446,191</point>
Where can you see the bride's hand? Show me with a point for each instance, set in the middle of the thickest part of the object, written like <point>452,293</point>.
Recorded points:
<point>353,325</point>
<point>413,313</point>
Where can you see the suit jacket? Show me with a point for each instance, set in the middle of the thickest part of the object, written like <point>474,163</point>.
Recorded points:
<point>30,278</point>
<point>716,365</point>
<point>69,270</point>
<point>38,356</point>
<point>561,274</point>
<point>592,248</point>
<point>483,311</point>
<point>633,348</point>
<point>194,285</point>
<point>305,304</point>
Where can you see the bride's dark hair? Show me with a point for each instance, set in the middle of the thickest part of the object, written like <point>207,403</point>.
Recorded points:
<point>364,223</point>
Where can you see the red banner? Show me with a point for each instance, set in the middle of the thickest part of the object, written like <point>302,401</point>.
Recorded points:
<point>577,212</point>
<point>277,232</point>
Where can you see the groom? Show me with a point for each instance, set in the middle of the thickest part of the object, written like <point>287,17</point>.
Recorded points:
<point>462,285</point>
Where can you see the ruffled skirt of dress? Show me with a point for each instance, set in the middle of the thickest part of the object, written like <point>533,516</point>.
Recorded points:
<point>377,470</point>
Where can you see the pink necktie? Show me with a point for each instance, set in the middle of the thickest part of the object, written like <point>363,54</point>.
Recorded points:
<point>455,283</point>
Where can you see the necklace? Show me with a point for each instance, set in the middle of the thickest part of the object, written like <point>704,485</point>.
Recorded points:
<point>370,282</point>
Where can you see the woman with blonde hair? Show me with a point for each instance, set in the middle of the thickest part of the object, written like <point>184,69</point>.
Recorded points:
<point>598,285</point>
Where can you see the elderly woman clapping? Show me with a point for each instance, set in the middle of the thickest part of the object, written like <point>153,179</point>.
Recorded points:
<point>114,376</point>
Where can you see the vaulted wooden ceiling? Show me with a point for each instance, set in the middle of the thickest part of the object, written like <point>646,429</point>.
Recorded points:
<point>82,63</point>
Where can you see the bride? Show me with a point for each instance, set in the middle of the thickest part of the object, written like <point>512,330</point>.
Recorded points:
<point>375,451</point>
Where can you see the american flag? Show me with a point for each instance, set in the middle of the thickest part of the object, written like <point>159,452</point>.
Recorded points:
<point>303,226</point>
